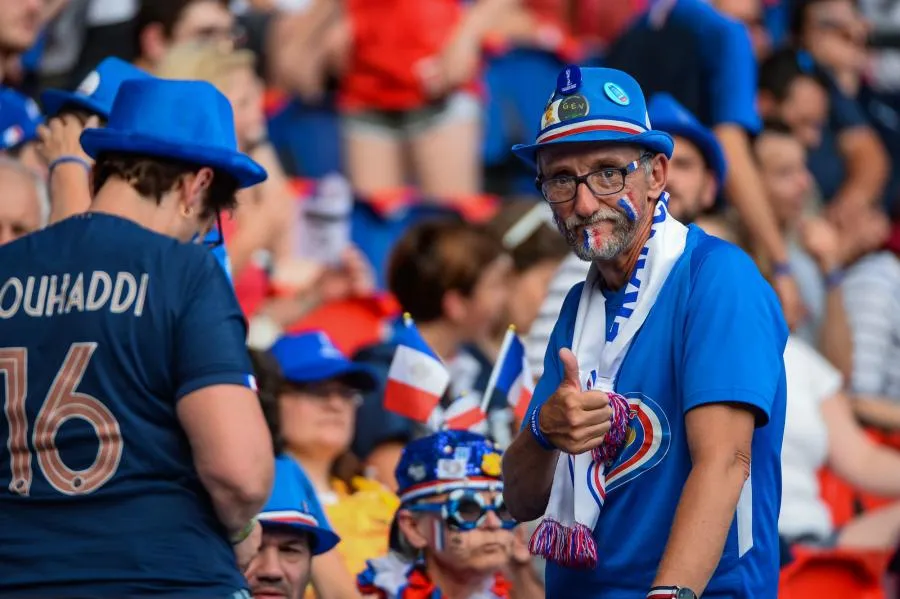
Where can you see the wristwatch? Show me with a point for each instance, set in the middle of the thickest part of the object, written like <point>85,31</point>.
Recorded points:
<point>671,593</point>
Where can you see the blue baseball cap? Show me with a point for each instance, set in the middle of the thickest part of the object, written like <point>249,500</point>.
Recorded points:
<point>97,91</point>
<point>19,119</point>
<point>293,506</point>
<point>668,115</point>
<point>312,357</point>
<point>595,105</point>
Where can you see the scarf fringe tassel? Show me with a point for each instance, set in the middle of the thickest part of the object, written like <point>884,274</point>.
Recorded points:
<point>569,547</point>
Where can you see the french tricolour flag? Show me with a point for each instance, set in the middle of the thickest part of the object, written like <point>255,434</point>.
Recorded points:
<point>511,375</point>
<point>417,378</point>
<point>465,414</point>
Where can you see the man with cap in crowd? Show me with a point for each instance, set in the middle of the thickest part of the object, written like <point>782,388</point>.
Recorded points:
<point>294,531</point>
<point>452,535</point>
<point>696,174</point>
<point>128,385</point>
<point>69,113</point>
<point>20,118</point>
<point>663,376</point>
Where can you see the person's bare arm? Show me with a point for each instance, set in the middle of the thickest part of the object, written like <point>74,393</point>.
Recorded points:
<point>866,166</point>
<point>331,579</point>
<point>745,190</point>
<point>880,412</point>
<point>232,450</point>
<point>528,472</point>
<point>853,456</point>
<point>719,439</point>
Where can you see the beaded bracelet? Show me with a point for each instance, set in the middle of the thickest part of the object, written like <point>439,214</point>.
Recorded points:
<point>244,533</point>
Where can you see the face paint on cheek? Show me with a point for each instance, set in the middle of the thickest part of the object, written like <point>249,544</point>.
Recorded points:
<point>627,208</point>
<point>438,535</point>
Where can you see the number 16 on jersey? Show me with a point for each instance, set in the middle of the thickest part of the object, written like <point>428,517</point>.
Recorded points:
<point>62,403</point>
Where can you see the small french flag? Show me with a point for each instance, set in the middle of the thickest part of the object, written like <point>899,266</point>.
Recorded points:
<point>417,379</point>
<point>465,414</point>
<point>511,375</point>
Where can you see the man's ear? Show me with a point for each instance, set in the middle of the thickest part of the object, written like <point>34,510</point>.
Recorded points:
<point>657,178</point>
<point>412,529</point>
<point>196,187</point>
<point>153,43</point>
<point>709,191</point>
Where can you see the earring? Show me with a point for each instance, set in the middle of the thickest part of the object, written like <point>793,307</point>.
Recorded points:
<point>187,211</point>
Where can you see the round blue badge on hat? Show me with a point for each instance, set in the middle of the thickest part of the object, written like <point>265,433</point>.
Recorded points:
<point>616,94</point>
<point>569,80</point>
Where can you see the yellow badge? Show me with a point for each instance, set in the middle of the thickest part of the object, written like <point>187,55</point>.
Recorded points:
<point>490,464</point>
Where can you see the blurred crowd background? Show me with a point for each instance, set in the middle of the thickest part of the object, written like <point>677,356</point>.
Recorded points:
<point>386,126</point>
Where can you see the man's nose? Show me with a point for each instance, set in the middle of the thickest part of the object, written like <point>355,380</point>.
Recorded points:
<point>266,566</point>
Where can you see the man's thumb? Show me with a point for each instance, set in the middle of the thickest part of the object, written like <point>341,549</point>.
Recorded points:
<point>571,374</point>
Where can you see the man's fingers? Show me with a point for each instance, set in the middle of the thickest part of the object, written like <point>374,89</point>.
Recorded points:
<point>571,373</point>
<point>593,400</point>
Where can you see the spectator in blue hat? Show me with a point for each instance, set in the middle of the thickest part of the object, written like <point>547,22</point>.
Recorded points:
<point>20,117</point>
<point>642,412</point>
<point>453,535</point>
<point>69,114</point>
<point>163,375</point>
<point>317,410</point>
<point>294,531</point>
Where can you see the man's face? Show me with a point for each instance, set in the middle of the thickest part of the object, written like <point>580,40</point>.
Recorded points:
<point>598,227</point>
<point>782,165</point>
<point>20,22</point>
<point>20,212</point>
<point>282,566</point>
<point>691,185</point>
<point>805,110</point>
<point>204,21</point>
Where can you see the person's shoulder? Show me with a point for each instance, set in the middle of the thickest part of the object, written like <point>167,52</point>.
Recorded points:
<point>715,257</point>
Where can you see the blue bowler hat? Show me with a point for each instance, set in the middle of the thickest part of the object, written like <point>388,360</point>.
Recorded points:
<point>19,119</point>
<point>595,105</point>
<point>445,461</point>
<point>312,357</point>
<point>668,115</point>
<point>97,91</point>
<point>189,121</point>
<point>293,506</point>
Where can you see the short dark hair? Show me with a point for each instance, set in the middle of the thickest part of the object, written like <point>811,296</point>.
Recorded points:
<point>165,12</point>
<point>152,177</point>
<point>268,382</point>
<point>780,70</point>
<point>435,257</point>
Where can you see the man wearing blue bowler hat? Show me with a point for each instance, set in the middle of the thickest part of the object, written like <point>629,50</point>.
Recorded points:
<point>294,532</point>
<point>663,376</point>
<point>137,456</point>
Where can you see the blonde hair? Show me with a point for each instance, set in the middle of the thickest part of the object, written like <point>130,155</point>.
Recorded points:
<point>205,62</point>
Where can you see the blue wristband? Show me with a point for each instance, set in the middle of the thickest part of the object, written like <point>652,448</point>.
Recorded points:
<point>68,158</point>
<point>535,427</point>
<point>781,269</point>
<point>834,278</point>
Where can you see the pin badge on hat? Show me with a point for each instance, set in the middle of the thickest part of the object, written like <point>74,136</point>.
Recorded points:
<point>417,472</point>
<point>569,80</point>
<point>90,84</point>
<point>616,94</point>
<point>573,107</point>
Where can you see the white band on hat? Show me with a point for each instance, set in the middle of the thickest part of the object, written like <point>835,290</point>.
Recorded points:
<point>591,125</point>
<point>438,487</point>
<point>289,517</point>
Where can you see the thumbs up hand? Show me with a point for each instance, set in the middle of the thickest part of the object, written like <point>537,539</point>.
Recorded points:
<point>573,420</point>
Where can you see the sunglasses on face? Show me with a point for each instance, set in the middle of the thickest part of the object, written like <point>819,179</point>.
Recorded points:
<point>467,510</point>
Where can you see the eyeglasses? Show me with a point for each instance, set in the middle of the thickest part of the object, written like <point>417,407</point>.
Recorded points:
<point>602,182</point>
<point>325,392</point>
<point>466,510</point>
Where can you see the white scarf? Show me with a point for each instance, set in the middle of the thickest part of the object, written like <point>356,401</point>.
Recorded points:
<point>579,484</point>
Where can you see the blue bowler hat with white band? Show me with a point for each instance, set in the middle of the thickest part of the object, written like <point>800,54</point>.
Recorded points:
<point>595,105</point>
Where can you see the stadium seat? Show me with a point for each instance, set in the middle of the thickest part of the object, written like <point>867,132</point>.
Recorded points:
<point>817,573</point>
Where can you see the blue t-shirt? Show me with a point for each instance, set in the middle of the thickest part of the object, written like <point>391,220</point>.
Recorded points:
<point>715,334</point>
<point>713,71</point>
<point>104,327</point>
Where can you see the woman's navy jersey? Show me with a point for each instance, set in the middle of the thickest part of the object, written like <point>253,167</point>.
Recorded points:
<point>104,327</point>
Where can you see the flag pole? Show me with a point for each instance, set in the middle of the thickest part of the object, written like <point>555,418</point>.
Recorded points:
<point>495,372</point>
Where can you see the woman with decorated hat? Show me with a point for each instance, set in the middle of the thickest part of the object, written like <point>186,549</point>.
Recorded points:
<point>452,537</point>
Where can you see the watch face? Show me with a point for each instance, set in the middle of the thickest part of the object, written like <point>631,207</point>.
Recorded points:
<point>685,594</point>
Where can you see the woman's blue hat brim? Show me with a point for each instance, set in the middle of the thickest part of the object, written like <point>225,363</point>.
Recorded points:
<point>53,100</point>
<point>246,171</point>
<point>656,141</point>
